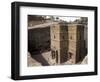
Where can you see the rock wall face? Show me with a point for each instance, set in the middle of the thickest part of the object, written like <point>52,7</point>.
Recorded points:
<point>38,39</point>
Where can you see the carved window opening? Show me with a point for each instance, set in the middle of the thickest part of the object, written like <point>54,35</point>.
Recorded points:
<point>63,37</point>
<point>53,54</point>
<point>54,37</point>
<point>71,37</point>
<point>56,56</point>
<point>80,37</point>
<point>70,55</point>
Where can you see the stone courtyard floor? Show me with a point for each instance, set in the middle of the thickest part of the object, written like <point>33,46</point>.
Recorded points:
<point>39,59</point>
<point>44,59</point>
